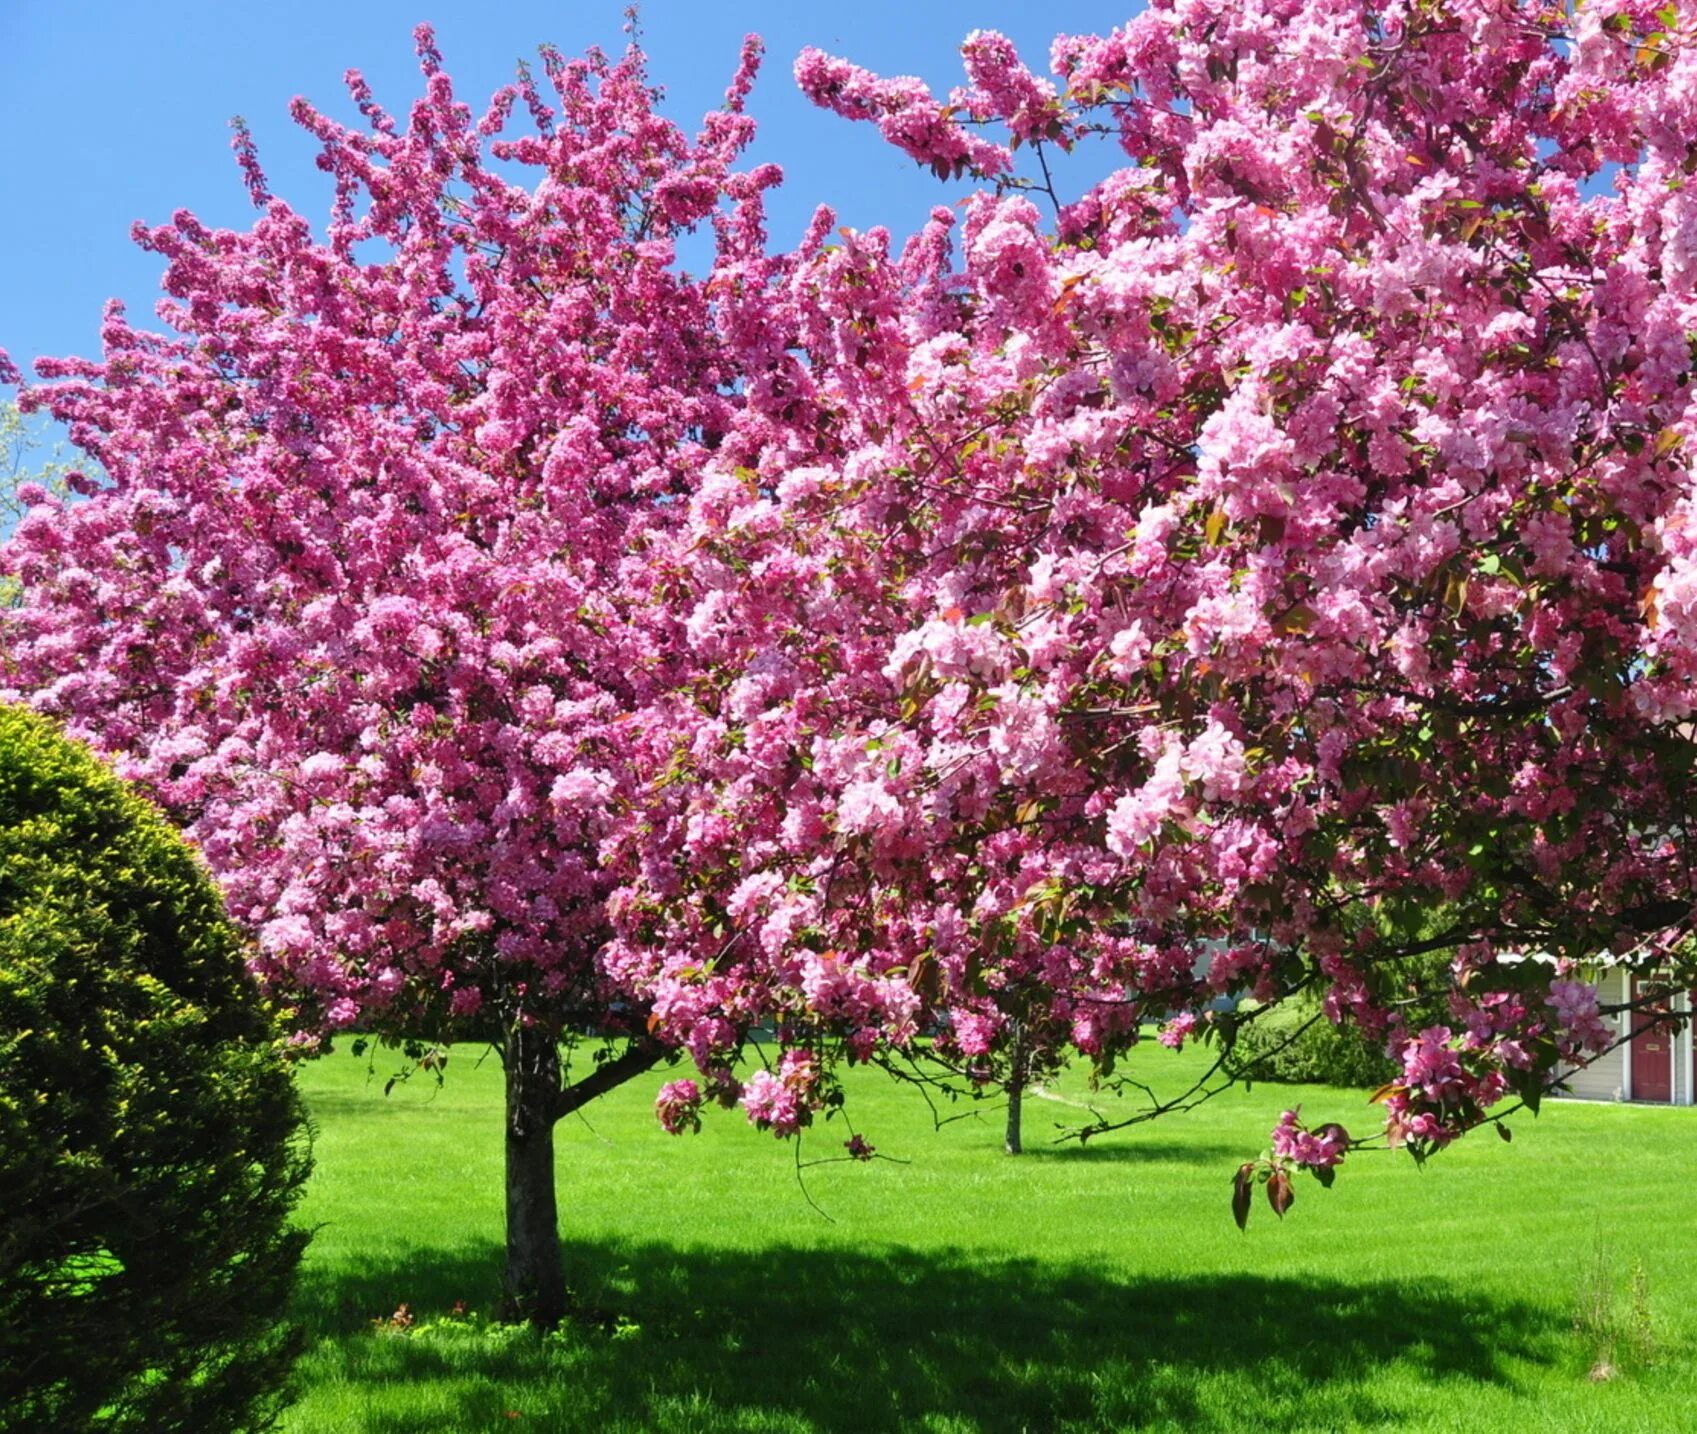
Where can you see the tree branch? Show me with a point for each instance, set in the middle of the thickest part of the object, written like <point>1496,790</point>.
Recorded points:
<point>641,1056</point>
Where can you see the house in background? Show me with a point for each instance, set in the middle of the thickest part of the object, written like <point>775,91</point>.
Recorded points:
<point>1657,1066</point>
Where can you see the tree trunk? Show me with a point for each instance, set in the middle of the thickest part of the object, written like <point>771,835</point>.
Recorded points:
<point>535,1285</point>
<point>1016,1091</point>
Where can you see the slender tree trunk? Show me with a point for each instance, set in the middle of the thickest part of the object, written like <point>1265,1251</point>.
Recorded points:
<point>535,1285</point>
<point>1013,1144</point>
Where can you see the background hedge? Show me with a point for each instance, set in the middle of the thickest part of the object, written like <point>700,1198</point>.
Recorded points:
<point>1275,1047</point>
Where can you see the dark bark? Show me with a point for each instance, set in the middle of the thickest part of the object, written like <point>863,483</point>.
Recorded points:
<point>534,1288</point>
<point>535,1285</point>
<point>1017,1074</point>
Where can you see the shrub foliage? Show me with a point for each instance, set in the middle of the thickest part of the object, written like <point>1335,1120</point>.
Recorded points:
<point>1295,1044</point>
<point>152,1143</point>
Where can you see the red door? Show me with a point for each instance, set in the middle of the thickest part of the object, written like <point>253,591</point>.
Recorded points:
<point>1652,1055</point>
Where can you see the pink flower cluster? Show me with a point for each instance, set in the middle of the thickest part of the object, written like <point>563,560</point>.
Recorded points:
<point>1174,1033</point>
<point>785,1102</point>
<point>1318,1149</point>
<point>678,1106</point>
<point>771,1104</point>
<point>1447,1087</point>
<point>1580,1025</point>
<point>905,113</point>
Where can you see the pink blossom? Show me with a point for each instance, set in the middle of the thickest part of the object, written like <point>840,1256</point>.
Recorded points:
<point>798,1069</point>
<point>1430,1063</point>
<point>1174,1033</point>
<point>341,1013</point>
<point>974,1033</point>
<point>678,1106</point>
<point>1579,1021</point>
<point>1138,816</point>
<point>1216,760</point>
<point>1319,1149</point>
<point>772,1105</point>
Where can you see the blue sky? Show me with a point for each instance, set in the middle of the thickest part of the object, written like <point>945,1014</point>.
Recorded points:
<point>118,110</point>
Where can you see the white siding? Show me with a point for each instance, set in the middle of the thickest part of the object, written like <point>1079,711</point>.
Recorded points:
<point>1683,1092</point>
<point>1605,1077</point>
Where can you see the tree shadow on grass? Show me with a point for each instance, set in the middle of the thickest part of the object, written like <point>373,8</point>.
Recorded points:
<point>833,1340</point>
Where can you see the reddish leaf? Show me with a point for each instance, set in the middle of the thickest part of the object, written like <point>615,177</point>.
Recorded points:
<point>1280,1195</point>
<point>1243,1185</point>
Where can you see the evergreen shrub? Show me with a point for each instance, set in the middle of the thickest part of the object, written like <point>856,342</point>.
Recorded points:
<point>152,1143</point>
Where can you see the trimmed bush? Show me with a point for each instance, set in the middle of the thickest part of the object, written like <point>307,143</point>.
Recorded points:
<point>152,1144</point>
<point>1269,1048</point>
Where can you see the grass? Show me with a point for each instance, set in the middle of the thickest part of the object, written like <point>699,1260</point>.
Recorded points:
<point>1079,1289</point>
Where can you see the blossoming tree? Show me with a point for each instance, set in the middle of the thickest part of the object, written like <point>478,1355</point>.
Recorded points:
<point>363,596</point>
<point>1186,589</point>
<point>1101,606</point>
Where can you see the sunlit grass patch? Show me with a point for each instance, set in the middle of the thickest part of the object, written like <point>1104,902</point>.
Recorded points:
<point>1101,1287</point>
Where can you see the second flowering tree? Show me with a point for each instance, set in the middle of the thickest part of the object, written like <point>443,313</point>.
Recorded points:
<point>1253,575</point>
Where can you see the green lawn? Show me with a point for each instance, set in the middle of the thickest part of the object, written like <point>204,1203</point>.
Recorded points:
<point>1095,1288</point>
